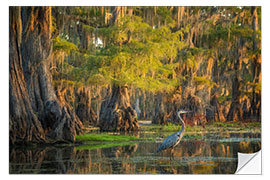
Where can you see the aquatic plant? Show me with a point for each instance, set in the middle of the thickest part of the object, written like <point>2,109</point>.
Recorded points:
<point>105,137</point>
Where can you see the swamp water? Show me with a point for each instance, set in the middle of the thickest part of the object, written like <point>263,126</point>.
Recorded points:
<point>211,153</point>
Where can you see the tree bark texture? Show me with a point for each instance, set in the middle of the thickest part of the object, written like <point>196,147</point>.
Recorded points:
<point>236,113</point>
<point>256,66</point>
<point>116,112</point>
<point>34,106</point>
<point>24,125</point>
<point>161,115</point>
<point>83,108</point>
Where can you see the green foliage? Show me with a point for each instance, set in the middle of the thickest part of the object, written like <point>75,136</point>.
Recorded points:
<point>237,124</point>
<point>62,45</point>
<point>257,86</point>
<point>203,80</point>
<point>136,54</point>
<point>172,127</point>
<point>224,99</point>
<point>53,25</point>
<point>105,137</point>
<point>188,56</point>
<point>195,131</point>
<point>244,31</point>
<point>88,28</point>
<point>226,124</point>
<point>150,51</point>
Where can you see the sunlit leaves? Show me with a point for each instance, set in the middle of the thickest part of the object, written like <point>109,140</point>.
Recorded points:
<point>149,50</point>
<point>62,45</point>
<point>137,54</point>
<point>257,86</point>
<point>88,28</point>
<point>202,80</point>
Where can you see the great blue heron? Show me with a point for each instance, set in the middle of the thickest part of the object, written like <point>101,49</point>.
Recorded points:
<point>174,139</point>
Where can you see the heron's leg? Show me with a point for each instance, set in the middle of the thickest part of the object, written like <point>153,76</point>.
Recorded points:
<point>172,154</point>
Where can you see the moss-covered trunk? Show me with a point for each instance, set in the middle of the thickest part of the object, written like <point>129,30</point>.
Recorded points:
<point>255,110</point>
<point>236,112</point>
<point>161,115</point>
<point>24,126</point>
<point>35,110</point>
<point>83,107</point>
<point>116,112</point>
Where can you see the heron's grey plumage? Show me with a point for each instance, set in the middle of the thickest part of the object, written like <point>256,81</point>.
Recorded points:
<point>174,139</point>
<point>170,142</point>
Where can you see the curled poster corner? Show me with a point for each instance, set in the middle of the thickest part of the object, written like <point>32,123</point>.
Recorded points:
<point>249,163</point>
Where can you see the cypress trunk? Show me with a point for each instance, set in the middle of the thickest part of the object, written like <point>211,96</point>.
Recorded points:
<point>161,115</point>
<point>24,126</point>
<point>34,106</point>
<point>83,108</point>
<point>116,112</point>
<point>236,112</point>
<point>256,98</point>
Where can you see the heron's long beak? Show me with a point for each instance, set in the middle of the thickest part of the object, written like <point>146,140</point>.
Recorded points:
<point>183,112</point>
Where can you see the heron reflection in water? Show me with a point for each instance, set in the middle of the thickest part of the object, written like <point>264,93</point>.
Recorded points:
<point>173,140</point>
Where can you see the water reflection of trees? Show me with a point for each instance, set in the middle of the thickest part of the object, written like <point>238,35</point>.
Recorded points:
<point>22,159</point>
<point>191,157</point>
<point>68,160</point>
<point>208,157</point>
<point>43,160</point>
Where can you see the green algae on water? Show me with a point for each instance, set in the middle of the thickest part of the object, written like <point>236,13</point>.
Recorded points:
<point>105,137</point>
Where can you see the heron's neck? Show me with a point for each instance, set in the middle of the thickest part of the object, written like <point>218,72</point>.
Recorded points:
<point>182,123</point>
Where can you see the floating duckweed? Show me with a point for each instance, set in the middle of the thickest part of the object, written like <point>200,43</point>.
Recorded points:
<point>105,137</point>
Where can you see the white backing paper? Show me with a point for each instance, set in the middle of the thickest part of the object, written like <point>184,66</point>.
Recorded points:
<point>249,163</point>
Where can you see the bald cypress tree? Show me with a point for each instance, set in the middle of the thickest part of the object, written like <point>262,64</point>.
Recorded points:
<point>136,55</point>
<point>36,114</point>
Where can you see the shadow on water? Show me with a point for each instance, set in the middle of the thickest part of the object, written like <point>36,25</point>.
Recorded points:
<point>216,154</point>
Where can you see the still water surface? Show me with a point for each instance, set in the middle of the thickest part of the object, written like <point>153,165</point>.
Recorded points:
<point>211,154</point>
